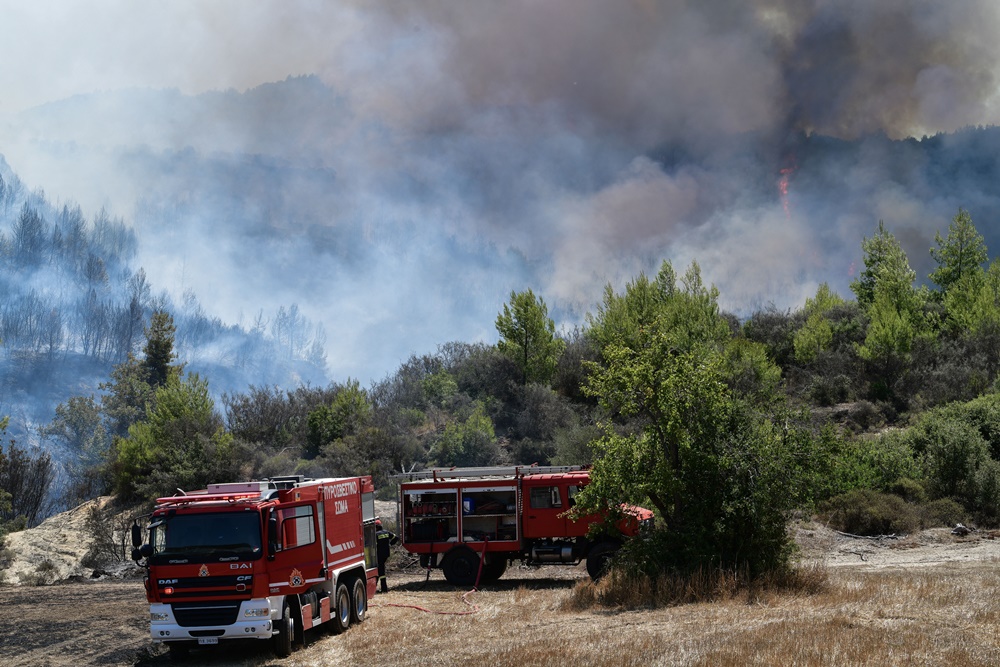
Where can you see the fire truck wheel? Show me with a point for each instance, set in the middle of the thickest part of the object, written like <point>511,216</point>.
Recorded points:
<point>493,569</point>
<point>461,566</point>
<point>359,600</point>
<point>342,609</point>
<point>599,557</point>
<point>286,633</point>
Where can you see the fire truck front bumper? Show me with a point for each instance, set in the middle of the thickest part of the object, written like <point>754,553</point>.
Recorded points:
<point>208,622</point>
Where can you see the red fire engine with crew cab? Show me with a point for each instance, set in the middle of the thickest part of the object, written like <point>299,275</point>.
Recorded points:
<point>259,560</point>
<point>471,522</point>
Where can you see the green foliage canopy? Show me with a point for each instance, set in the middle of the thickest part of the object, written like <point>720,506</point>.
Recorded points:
<point>181,443</point>
<point>528,337</point>
<point>683,438</point>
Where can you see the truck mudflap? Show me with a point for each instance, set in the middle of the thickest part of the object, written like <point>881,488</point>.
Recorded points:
<point>208,622</point>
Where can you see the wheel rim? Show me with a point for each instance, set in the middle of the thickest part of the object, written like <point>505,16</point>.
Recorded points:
<point>360,603</point>
<point>344,609</point>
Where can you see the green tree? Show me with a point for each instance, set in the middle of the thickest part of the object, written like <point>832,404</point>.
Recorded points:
<point>816,335</point>
<point>683,435</point>
<point>467,442</point>
<point>888,342</point>
<point>960,256</point>
<point>713,468</point>
<point>886,264</point>
<point>349,410</point>
<point>960,276</point>
<point>133,384</point>
<point>528,337</point>
<point>181,443</point>
<point>986,308</point>
<point>159,349</point>
<point>78,426</point>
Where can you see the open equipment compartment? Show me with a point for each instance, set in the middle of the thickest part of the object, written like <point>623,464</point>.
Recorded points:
<point>489,513</point>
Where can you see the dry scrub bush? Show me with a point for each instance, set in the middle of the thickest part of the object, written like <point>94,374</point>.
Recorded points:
<point>621,590</point>
<point>44,574</point>
<point>868,512</point>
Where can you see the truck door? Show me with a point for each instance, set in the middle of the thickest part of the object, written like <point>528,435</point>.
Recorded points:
<point>544,502</point>
<point>299,560</point>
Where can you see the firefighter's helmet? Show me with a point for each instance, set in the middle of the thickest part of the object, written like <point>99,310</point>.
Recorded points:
<point>378,523</point>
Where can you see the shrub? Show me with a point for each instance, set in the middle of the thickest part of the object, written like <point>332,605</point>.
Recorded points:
<point>909,490</point>
<point>867,512</point>
<point>942,512</point>
<point>875,463</point>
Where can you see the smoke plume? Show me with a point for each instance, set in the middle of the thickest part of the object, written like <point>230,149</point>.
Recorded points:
<point>397,169</point>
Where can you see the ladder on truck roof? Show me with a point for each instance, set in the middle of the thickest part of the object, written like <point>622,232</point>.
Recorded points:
<point>487,471</point>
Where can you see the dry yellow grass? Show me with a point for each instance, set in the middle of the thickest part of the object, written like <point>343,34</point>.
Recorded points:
<point>946,615</point>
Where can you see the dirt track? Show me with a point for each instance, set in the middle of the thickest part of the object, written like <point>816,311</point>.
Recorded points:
<point>105,622</point>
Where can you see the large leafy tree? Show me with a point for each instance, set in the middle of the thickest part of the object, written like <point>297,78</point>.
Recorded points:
<point>528,337</point>
<point>684,437</point>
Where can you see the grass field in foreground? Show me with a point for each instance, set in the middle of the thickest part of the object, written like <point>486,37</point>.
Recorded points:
<point>945,615</point>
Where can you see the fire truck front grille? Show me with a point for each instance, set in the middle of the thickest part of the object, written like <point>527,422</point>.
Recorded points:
<point>197,614</point>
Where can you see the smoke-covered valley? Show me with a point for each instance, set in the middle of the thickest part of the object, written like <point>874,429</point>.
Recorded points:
<point>396,172</point>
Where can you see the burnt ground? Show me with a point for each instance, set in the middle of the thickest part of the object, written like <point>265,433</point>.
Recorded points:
<point>104,622</point>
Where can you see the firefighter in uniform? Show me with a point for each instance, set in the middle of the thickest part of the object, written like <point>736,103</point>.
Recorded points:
<point>383,540</point>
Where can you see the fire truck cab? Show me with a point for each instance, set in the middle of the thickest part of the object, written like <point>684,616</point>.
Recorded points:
<point>261,560</point>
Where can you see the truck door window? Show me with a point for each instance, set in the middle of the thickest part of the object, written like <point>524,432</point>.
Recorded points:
<point>297,526</point>
<point>571,495</point>
<point>544,497</point>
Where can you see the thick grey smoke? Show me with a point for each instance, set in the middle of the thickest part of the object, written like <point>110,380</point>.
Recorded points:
<point>446,153</point>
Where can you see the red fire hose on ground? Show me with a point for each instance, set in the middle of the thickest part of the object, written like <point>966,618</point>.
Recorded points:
<point>474,608</point>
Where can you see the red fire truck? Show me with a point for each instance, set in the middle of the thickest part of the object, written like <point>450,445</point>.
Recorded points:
<point>259,560</point>
<point>471,522</point>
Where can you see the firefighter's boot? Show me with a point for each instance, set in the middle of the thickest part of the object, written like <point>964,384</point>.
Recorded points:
<point>385,586</point>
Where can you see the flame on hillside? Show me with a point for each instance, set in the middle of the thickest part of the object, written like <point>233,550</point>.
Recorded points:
<point>785,176</point>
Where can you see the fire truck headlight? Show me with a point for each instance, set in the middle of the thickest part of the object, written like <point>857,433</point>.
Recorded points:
<point>157,616</point>
<point>257,612</point>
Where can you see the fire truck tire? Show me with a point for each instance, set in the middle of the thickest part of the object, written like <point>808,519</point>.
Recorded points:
<point>493,568</point>
<point>341,609</point>
<point>461,566</point>
<point>599,557</point>
<point>286,633</point>
<point>359,600</point>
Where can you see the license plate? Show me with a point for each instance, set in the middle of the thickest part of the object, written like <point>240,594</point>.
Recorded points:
<point>208,640</point>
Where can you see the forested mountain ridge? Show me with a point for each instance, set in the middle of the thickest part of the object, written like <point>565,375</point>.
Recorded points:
<point>74,302</point>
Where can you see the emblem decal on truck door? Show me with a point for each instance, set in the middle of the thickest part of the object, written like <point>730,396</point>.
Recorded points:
<point>203,572</point>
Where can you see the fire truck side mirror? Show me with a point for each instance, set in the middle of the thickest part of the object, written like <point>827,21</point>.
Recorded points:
<point>136,535</point>
<point>145,551</point>
<point>272,534</point>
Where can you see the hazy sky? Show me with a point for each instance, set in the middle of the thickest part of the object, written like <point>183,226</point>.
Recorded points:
<point>592,138</point>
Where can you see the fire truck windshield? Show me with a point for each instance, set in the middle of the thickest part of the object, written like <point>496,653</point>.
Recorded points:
<point>218,536</point>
